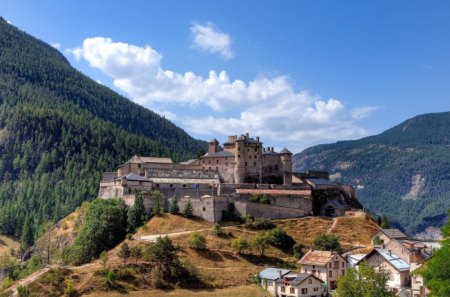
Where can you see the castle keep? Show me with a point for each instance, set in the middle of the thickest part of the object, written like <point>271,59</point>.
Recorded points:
<point>241,178</point>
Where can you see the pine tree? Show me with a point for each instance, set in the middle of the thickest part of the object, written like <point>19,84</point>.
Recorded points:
<point>384,223</point>
<point>188,209</point>
<point>124,252</point>
<point>173,207</point>
<point>27,239</point>
<point>157,199</point>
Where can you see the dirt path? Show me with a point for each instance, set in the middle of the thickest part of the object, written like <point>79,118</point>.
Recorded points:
<point>335,220</point>
<point>29,279</point>
<point>154,237</point>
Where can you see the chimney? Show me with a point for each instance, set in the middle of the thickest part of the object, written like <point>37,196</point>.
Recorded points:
<point>247,135</point>
<point>257,138</point>
<point>272,149</point>
<point>389,251</point>
<point>280,274</point>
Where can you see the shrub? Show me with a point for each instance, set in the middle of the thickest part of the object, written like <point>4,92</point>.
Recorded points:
<point>23,291</point>
<point>281,240</point>
<point>259,224</point>
<point>70,290</point>
<point>136,253</point>
<point>197,241</point>
<point>217,230</point>
<point>260,242</point>
<point>111,278</point>
<point>124,252</point>
<point>239,244</point>
<point>297,250</point>
<point>173,207</point>
<point>327,242</point>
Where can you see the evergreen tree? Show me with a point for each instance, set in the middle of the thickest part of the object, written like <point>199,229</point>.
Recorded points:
<point>27,239</point>
<point>157,200</point>
<point>173,207</point>
<point>384,223</point>
<point>124,252</point>
<point>136,214</point>
<point>136,253</point>
<point>188,209</point>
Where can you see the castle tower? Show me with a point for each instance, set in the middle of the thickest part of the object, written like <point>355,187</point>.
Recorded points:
<point>213,146</point>
<point>286,166</point>
<point>239,158</point>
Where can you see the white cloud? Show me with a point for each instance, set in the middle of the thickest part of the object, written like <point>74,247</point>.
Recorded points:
<point>363,112</point>
<point>56,45</point>
<point>9,22</point>
<point>209,39</point>
<point>269,107</point>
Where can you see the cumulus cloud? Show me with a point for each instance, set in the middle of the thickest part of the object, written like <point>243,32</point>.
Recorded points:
<point>269,107</point>
<point>208,38</point>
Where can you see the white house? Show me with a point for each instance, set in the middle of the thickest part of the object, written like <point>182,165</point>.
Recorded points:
<point>299,285</point>
<point>269,277</point>
<point>325,265</point>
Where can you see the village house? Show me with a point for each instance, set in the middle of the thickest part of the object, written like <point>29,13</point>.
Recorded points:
<point>325,265</point>
<point>396,268</point>
<point>386,235</point>
<point>268,278</point>
<point>285,283</point>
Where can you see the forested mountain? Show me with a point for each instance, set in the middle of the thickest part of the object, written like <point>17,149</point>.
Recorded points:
<point>403,173</point>
<point>60,129</point>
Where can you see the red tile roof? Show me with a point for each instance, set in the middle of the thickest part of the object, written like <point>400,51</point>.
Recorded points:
<point>320,258</point>
<point>274,192</point>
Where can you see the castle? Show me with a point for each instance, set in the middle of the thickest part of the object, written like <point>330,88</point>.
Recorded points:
<point>241,178</point>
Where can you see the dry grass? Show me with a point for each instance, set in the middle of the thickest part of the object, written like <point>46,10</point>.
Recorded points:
<point>242,291</point>
<point>7,243</point>
<point>167,223</point>
<point>355,230</point>
<point>305,230</point>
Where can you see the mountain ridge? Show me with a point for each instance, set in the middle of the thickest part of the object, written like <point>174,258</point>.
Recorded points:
<point>59,130</point>
<point>402,171</point>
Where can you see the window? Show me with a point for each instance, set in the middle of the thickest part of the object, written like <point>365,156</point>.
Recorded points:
<point>304,291</point>
<point>283,289</point>
<point>171,185</point>
<point>314,266</point>
<point>248,150</point>
<point>217,161</point>
<point>329,265</point>
<point>209,161</point>
<point>343,264</point>
<point>239,156</point>
<point>306,270</point>
<point>209,167</point>
<point>310,281</point>
<point>330,273</point>
<point>254,163</point>
<point>292,290</point>
<point>336,264</point>
<point>226,163</point>
<point>184,186</point>
<point>203,161</point>
<point>250,157</point>
<point>256,157</point>
<point>270,284</point>
<point>256,149</point>
<point>245,163</point>
<point>316,289</point>
<point>204,208</point>
<point>318,272</point>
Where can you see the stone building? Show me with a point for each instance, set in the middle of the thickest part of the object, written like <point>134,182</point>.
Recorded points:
<point>239,179</point>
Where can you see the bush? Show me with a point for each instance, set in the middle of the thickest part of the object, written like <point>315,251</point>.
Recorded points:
<point>188,209</point>
<point>297,250</point>
<point>70,290</point>
<point>239,244</point>
<point>124,252</point>
<point>281,240</point>
<point>260,242</point>
<point>217,230</point>
<point>197,241</point>
<point>258,224</point>
<point>23,291</point>
<point>327,242</point>
<point>111,278</point>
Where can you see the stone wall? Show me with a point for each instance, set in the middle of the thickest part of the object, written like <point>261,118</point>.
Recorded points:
<point>110,190</point>
<point>182,173</point>
<point>230,189</point>
<point>259,210</point>
<point>201,207</point>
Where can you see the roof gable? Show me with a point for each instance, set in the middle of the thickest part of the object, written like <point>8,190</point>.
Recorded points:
<point>319,258</point>
<point>392,259</point>
<point>394,233</point>
<point>273,273</point>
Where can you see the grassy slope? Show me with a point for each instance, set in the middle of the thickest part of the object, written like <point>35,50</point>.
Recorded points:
<point>218,266</point>
<point>7,243</point>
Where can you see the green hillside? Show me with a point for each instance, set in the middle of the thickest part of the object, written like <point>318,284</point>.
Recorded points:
<point>403,173</point>
<point>60,129</point>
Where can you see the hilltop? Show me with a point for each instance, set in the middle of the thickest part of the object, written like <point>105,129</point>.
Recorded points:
<point>218,266</point>
<point>403,173</point>
<point>59,130</point>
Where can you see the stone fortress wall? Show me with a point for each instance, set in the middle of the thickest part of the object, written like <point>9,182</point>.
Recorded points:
<point>228,179</point>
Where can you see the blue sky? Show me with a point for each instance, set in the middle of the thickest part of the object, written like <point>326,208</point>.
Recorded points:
<point>297,73</point>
